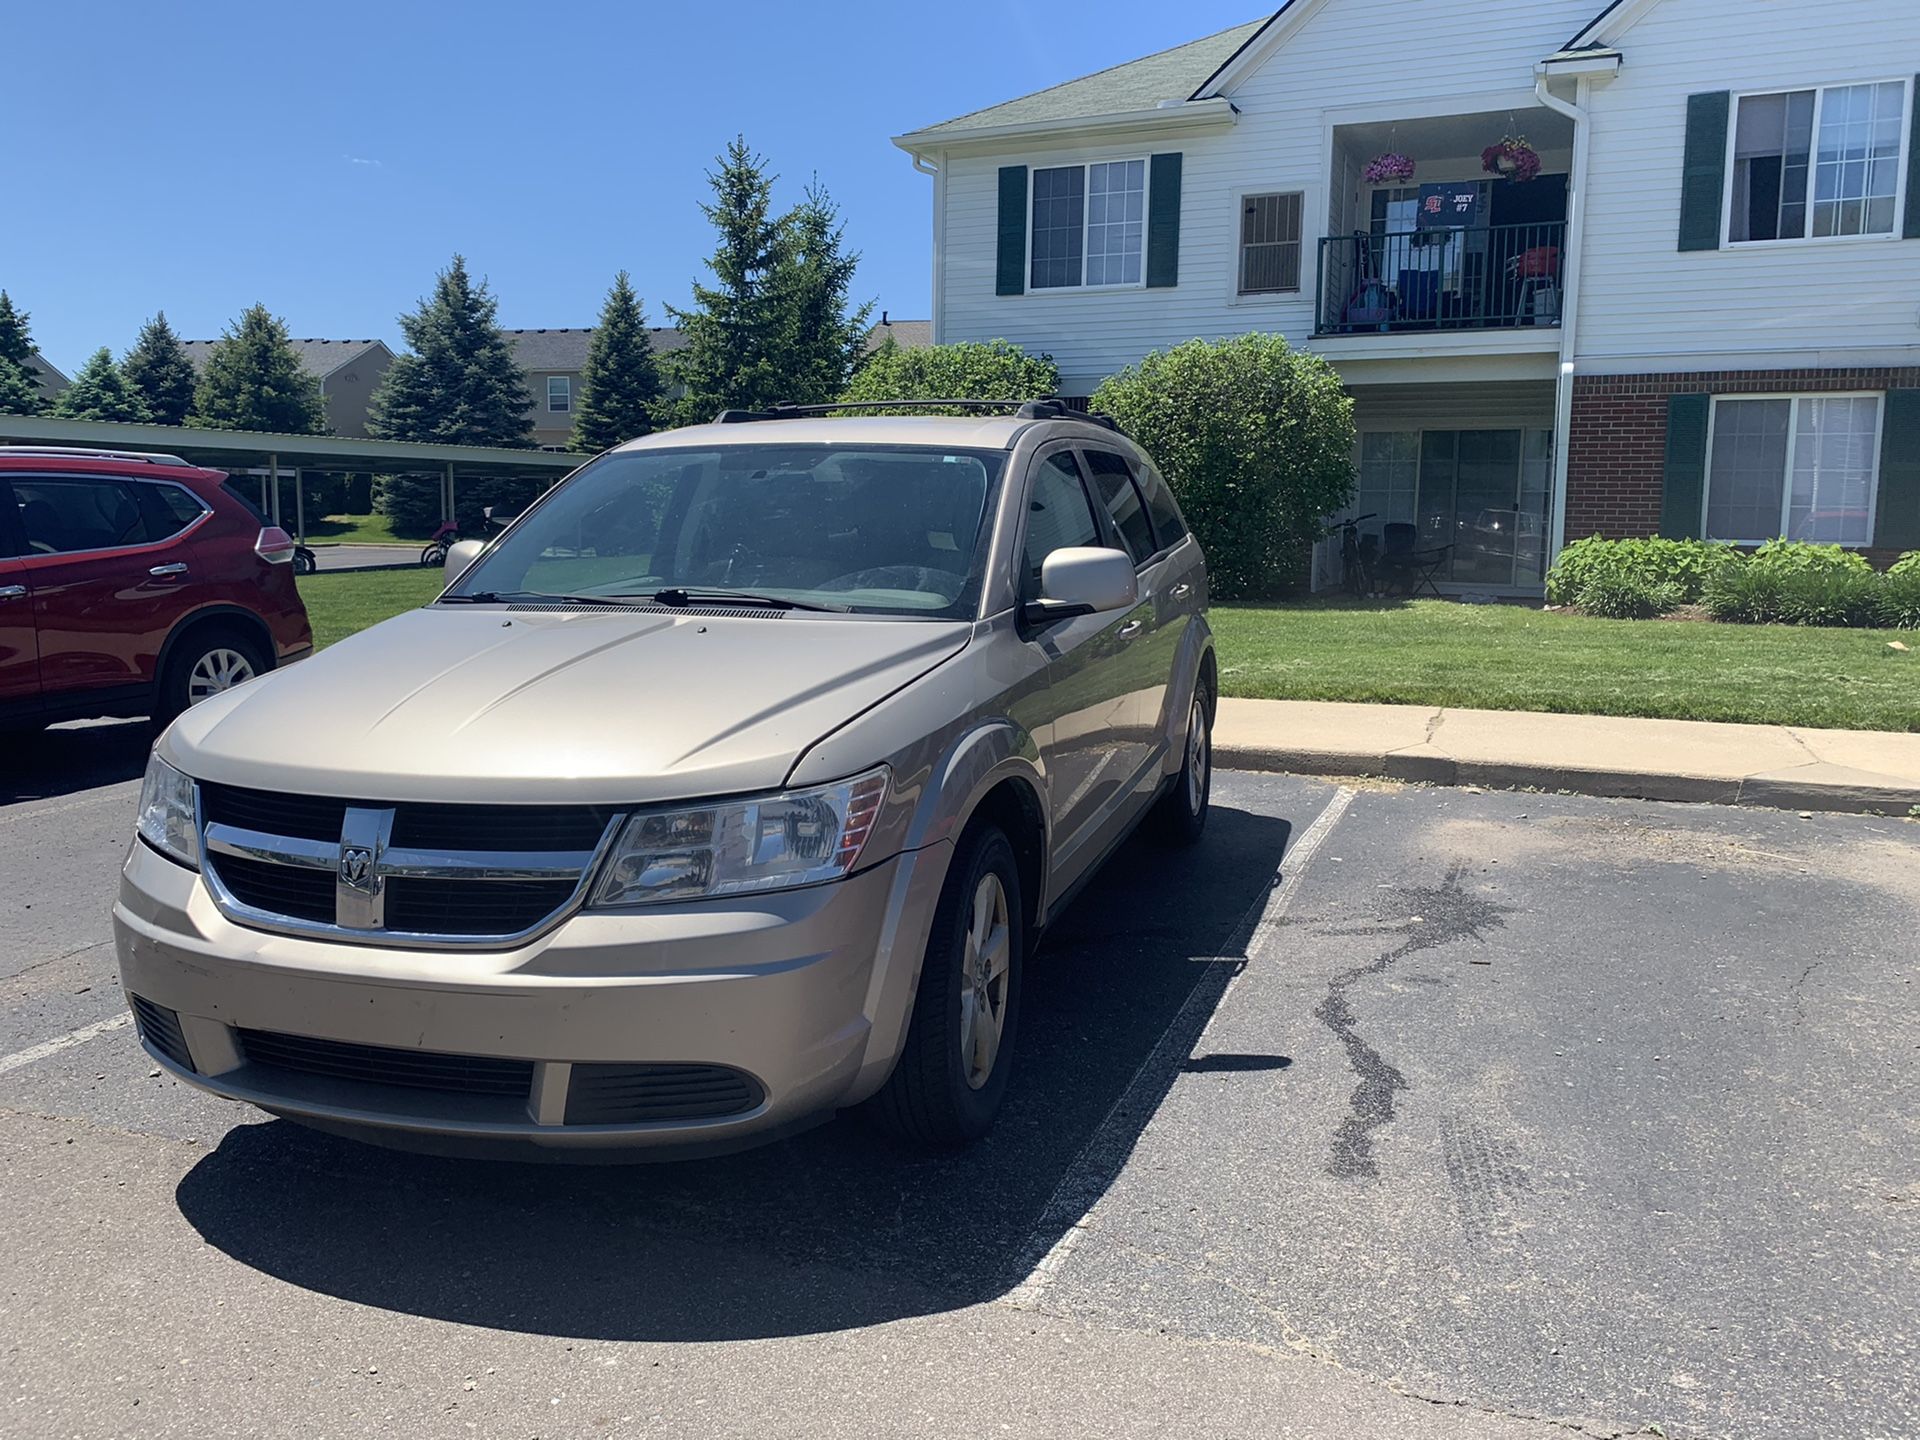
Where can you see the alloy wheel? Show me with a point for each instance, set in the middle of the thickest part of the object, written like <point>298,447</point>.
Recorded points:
<point>983,980</point>
<point>1199,756</point>
<point>221,668</point>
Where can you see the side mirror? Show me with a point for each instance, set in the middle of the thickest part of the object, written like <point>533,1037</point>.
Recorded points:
<point>460,555</point>
<point>1083,580</point>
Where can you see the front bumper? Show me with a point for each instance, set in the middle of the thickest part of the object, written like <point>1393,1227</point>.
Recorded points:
<point>803,995</point>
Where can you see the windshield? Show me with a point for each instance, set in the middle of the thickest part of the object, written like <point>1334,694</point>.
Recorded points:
<point>877,530</point>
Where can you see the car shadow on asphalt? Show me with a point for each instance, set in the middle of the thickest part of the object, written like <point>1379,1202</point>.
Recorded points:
<point>832,1229</point>
<point>69,758</point>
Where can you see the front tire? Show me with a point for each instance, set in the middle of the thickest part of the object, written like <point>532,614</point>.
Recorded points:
<point>952,1073</point>
<point>433,555</point>
<point>1180,817</point>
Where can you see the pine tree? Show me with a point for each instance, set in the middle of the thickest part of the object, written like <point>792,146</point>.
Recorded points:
<point>158,368</point>
<point>733,329</point>
<point>461,384</point>
<point>19,381</point>
<point>620,387</point>
<point>254,381</point>
<point>824,339</point>
<point>101,392</point>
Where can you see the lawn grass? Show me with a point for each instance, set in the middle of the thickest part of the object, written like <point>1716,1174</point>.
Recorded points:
<point>1432,652</point>
<point>360,530</point>
<point>1508,657</point>
<point>340,603</point>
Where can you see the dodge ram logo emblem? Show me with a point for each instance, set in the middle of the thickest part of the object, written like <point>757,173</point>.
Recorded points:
<point>356,867</point>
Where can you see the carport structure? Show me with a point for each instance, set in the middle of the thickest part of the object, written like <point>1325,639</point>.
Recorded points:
<point>252,450</point>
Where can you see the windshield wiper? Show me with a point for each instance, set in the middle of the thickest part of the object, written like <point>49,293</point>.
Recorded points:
<point>504,597</point>
<point>679,595</point>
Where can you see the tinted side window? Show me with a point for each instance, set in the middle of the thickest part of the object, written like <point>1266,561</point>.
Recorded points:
<point>61,515</point>
<point>1058,516</point>
<point>1113,483</point>
<point>248,494</point>
<point>167,508</point>
<point>1168,528</point>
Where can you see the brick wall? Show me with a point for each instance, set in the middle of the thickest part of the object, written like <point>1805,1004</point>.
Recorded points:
<point>1616,448</point>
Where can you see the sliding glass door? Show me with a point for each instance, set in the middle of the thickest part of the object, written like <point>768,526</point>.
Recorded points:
<point>1484,492</point>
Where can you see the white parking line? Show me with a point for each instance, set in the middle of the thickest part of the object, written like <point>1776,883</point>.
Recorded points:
<point>1100,1158</point>
<point>63,1042</point>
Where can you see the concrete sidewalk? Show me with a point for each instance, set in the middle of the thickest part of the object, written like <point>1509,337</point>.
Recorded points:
<point>1777,765</point>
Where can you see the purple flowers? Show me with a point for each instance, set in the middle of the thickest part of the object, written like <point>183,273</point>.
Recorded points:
<point>1388,169</point>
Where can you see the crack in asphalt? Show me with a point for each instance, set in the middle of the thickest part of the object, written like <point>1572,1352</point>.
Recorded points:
<point>1439,915</point>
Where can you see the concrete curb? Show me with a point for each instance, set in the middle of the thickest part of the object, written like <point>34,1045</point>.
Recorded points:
<point>1771,766</point>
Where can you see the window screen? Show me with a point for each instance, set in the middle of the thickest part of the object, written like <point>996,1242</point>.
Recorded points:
<point>1058,516</point>
<point>1113,484</point>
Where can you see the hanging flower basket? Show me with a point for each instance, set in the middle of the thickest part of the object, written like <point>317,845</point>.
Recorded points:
<point>1388,169</point>
<point>1512,158</point>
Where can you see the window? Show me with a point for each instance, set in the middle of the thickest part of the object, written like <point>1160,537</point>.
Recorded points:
<point>1817,162</point>
<point>1113,485</point>
<point>559,394</point>
<point>1802,467</point>
<point>1089,225</point>
<point>61,516</point>
<point>1168,528</point>
<point>1389,475</point>
<point>167,509</point>
<point>1058,515</point>
<point>1270,244</point>
<point>236,490</point>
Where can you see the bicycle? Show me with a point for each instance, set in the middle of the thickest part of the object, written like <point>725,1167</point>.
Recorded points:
<point>1357,554</point>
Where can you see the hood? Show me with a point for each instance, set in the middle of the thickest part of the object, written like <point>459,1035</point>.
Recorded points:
<point>472,704</point>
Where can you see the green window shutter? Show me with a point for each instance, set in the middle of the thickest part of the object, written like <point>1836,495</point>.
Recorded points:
<point>1010,275</point>
<point>1896,524</point>
<point>1684,496</point>
<point>1703,174</point>
<point>1163,220</point>
<point>1911,230</point>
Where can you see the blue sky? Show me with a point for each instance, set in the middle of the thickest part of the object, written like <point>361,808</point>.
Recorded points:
<point>326,158</point>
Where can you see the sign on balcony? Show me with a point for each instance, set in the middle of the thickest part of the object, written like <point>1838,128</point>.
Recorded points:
<point>1449,205</point>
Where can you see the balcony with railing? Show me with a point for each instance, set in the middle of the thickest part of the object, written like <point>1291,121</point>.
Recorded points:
<point>1483,277</point>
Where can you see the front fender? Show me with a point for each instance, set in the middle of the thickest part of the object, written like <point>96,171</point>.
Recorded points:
<point>1196,651</point>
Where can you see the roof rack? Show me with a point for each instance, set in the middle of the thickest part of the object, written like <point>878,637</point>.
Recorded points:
<point>87,452</point>
<point>1047,407</point>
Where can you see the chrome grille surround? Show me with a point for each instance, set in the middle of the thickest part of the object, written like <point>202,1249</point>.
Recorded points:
<point>362,862</point>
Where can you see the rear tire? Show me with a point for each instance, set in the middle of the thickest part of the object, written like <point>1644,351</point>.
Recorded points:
<point>433,555</point>
<point>952,1073</point>
<point>1180,816</point>
<point>204,664</point>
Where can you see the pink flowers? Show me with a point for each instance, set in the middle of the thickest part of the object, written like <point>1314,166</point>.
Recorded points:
<point>1388,169</point>
<point>1513,157</point>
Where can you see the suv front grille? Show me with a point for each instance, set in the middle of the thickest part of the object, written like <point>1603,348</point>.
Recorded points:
<point>383,1065</point>
<point>397,873</point>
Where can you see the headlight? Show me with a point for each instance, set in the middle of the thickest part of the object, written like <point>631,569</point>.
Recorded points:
<point>772,842</point>
<point>166,813</point>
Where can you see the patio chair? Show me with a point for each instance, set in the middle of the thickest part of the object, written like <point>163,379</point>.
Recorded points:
<point>1401,562</point>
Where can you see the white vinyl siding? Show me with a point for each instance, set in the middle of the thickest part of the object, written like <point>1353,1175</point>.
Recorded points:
<point>1802,467</point>
<point>1646,305</point>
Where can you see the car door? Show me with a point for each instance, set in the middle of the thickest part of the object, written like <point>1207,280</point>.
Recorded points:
<point>19,652</point>
<point>1082,726</point>
<point>1149,656</point>
<point>105,592</point>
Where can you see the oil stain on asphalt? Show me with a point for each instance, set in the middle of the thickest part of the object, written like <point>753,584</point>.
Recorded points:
<point>1436,915</point>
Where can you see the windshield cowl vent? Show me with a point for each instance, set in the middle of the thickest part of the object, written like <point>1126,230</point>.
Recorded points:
<point>647,607</point>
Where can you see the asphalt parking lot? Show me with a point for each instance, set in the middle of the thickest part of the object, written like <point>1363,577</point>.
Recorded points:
<point>1388,1111</point>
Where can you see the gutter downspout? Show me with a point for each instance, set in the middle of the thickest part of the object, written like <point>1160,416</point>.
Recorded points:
<point>939,230</point>
<point>1570,292</point>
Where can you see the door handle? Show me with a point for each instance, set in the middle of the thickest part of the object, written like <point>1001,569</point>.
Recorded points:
<point>174,569</point>
<point>12,592</point>
<point>1182,590</point>
<point>1130,629</point>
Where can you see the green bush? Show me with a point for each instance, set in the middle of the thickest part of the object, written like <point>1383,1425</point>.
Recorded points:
<point>1898,603</point>
<point>1257,440</point>
<point>996,370</point>
<point>1629,597</point>
<point>1745,595</point>
<point>1798,557</point>
<point>1837,596</point>
<point>1686,565</point>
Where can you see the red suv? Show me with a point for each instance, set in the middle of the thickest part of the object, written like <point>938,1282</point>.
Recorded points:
<point>134,584</point>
